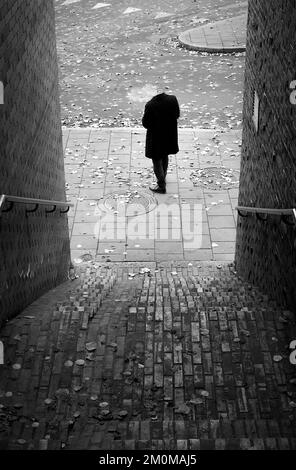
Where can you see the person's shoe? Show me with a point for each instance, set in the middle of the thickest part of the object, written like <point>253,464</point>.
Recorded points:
<point>158,189</point>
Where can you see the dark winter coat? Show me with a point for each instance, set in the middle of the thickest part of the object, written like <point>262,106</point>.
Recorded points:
<point>160,120</point>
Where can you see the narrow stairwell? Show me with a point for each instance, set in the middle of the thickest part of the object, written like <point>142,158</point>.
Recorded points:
<point>149,356</point>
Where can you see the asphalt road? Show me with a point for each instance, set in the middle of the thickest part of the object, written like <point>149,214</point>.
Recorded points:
<point>112,57</point>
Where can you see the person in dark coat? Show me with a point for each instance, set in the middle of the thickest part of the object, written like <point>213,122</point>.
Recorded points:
<point>161,121</point>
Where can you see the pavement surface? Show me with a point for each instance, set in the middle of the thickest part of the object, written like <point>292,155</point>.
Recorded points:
<point>113,57</point>
<point>108,179</point>
<point>222,36</point>
<point>161,356</point>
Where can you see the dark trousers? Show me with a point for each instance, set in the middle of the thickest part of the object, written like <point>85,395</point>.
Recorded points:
<point>160,167</point>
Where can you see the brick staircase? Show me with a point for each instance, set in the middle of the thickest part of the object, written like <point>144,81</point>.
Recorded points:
<point>149,356</point>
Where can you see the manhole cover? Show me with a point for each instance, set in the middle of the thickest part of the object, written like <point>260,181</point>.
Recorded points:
<point>215,178</point>
<point>128,203</point>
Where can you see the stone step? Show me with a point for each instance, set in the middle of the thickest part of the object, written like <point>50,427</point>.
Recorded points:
<point>103,443</point>
<point>180,355</point>
<point>268,443</point>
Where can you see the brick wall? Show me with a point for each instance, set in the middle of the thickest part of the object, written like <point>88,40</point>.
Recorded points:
<point>266,251</point>
<point>34,248</point>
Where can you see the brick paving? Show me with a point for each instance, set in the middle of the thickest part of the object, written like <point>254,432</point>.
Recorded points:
<point>102,161</point>
<point>172,355</point>
<point>227,35</point>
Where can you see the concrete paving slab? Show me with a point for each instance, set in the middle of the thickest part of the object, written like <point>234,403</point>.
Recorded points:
<point>171,226</point>
<point>223,36</point>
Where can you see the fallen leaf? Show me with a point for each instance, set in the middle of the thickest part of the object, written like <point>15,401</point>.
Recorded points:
<point>245,332</point>
<point>80,362</point>
<point>90,357</point>
<point>277,358</point>
<point>127,373</point>
<point>104,404</point>
<point>68,364</point>
<point>18,405</point>
<point>62,392</point>
<point>145,270</point>
<point>48,401</point>
<point>196,401</point>
<point>204,332</point>
<point>183,409</point>
<point>91,346</point>
<point>283,320</point>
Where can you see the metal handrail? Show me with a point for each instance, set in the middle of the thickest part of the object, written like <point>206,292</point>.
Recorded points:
<point>37,202</point>
<point>262,210</point>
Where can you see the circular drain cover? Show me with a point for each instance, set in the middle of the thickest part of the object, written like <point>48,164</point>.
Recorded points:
<point>216,178</point>
<point>128,203</point>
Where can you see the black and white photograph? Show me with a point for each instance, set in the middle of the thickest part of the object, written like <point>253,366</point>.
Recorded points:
<point>148,232</point>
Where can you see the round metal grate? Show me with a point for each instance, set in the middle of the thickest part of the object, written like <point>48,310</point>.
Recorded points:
<point>215,178</point>
<point>128,203</point>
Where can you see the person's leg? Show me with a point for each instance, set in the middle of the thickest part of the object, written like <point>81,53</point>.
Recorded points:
<point>165,164</point>
<point>159,172</point>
